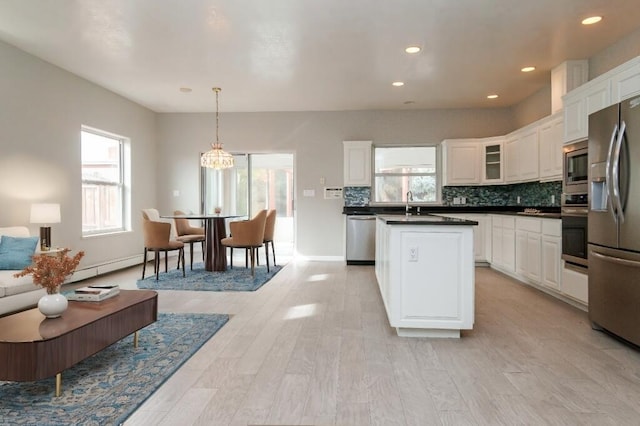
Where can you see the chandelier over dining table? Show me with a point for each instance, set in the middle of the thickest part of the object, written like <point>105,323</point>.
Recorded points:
<point>216,158</point>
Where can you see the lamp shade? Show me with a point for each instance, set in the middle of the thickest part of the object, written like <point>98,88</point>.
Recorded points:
<point>45,213</point>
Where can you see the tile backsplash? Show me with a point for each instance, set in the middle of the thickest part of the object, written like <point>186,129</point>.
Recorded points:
<point>356,196</point>
<point>530,193</point>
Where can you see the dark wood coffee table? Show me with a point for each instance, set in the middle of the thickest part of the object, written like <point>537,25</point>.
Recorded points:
<point>33,347</point>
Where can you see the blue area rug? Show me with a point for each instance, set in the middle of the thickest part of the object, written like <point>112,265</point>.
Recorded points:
<point>236,279</point>
<point>107,387</point>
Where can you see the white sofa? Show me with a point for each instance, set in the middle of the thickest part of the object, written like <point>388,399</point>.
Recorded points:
<point>17,293</point>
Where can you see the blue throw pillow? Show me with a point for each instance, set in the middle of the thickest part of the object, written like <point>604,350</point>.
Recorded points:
<point>16,252</point>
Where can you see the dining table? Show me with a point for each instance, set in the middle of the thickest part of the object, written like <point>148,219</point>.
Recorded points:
<point>215,230</point>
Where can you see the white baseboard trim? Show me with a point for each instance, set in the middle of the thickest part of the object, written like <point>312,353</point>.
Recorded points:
<point>103,268</point>
<point>320,258</point>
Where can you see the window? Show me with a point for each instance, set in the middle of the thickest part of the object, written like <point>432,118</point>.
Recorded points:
<point>103,182</point>
<point>398,170</point>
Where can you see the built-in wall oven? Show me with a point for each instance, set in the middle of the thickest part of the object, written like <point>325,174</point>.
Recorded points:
<point>574,236</point>
<point>575,203</point>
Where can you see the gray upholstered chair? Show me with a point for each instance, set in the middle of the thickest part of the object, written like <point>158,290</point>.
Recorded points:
<point>247,234</point>
<point>157,239</point>
<point>189,234</point>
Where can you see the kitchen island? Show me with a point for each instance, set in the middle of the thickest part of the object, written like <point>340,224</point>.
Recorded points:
<point>425,272</point>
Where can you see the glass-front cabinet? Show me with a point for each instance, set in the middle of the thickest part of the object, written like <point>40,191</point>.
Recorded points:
<point>492,161</point>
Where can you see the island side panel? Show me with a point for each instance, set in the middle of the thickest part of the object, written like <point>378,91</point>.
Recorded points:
<point>427,277</point>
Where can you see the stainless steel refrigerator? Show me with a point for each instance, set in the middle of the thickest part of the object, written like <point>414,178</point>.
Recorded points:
<point>614,220</point>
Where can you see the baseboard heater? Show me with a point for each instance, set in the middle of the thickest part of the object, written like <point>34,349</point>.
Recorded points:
<point>104,268</point>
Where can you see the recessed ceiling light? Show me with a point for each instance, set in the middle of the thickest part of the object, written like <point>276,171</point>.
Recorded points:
<point>492,96</point>
<point>591,20</point>
<point>398,83</point>
<point>412,49</point>
<point>528,69</point>
<point>185,89</point>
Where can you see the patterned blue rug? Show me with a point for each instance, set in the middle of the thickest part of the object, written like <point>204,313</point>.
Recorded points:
<point>107,387</point>
<point>236,279</point>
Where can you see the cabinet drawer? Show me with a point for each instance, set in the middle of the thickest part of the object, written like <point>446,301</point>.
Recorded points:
<point>508,222</point>
<point>552,227</point>
<point>528,224</point>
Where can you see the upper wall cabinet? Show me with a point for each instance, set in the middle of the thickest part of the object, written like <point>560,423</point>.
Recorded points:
<point>550,148</point>
<point>566,77</point>
<point>473,161</point>
<point>492,160</point>
<point>357,163</point>
<point>616,85</point>
<point>582,102</point>
<point>461,161</point>
<point>521,155</point>
<point>626,83</point>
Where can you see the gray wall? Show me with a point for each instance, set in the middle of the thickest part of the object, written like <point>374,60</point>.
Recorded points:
<point>316,139</point>
<point>614,55</point>
<point>533,108</point>
<point>42,108</point>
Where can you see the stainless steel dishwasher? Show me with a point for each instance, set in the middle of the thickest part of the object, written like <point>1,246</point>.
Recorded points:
<point>361,239</point>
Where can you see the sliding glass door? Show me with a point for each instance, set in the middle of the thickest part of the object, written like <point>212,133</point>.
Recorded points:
<point>256,182</point>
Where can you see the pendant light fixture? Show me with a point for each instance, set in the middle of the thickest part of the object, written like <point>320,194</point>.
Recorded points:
<point>216,158</point>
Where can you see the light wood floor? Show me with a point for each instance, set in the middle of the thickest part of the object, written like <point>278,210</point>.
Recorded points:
<point>313,347</point>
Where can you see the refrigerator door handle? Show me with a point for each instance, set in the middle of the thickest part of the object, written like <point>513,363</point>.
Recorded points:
<point>608,173</point>
<point>618,260</point>
<point>616,173</point>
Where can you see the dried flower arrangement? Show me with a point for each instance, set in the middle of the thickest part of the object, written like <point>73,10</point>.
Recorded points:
<point>50,270</point>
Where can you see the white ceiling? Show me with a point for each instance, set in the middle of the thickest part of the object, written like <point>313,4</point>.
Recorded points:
<point>314,55</point>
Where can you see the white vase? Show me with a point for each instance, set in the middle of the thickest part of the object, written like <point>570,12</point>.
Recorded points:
<point>52,305</point>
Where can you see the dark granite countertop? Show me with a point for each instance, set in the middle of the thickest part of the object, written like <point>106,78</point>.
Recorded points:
<point>542,211</point>
<point>423,219</point>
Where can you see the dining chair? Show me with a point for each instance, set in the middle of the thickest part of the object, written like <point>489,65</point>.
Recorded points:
<point>269,229</point>
<point>247,234</point>
<point>157,239</point>
<point>189,234</point>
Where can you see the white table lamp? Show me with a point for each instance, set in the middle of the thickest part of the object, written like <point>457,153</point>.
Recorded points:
<point>45,213</point>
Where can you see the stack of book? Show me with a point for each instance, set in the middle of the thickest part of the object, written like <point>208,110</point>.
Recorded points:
<point>94,293</point>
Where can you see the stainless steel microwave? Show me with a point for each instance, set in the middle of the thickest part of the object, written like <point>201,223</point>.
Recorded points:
<point>575,168</point>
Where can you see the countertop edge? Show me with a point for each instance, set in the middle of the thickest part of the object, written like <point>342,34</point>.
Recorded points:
<point>545,212</point>
<point>425,219</point>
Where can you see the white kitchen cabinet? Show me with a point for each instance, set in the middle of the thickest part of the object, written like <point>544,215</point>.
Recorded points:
<point>511,159</point>
<point>575,285</point>
<point>550,142</point>
<point>357,163</point>
<point>551,253</point>
<point>521,155</point>
<point>580,103</point>
<point>503,245</point>
<point>492,160</point>
<point>566,77</point>
<point>481,235</point>
<point>616,85</point>
<point>461,161</point>
<point>626,83</point>
<point>528,248</point>
<point>528,155</point>
<point>575,118</point>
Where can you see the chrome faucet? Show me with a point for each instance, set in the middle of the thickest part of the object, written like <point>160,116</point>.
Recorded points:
<point>409,198</point>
